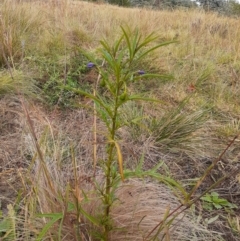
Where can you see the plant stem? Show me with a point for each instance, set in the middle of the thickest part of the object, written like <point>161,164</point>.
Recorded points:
<point>107,191</point>
<point>108,201</point>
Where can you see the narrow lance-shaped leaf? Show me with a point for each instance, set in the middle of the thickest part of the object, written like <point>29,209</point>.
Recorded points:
<point>120,57</point>
<point>167,180</point>
<point>153,48</point>
<point>106,46</point>
<point>147,40</point>
<point>81,92</point>
<point>107,82</point>
<point>135,42</point>
<point>128,43</point>
<point>55,217</point>
<point>109,59</point>
<point>116,47</point>
<point>91,218</point>
<point>137,97</point>
<point>160,76</point>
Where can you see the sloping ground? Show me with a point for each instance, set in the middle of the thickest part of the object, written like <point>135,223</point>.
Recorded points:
<point>205,63</point>
<point>139,201</point>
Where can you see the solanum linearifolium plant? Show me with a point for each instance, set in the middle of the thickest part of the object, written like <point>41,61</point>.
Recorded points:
<point>118,72</point>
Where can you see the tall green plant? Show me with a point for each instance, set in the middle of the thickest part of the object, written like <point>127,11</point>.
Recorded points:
<point>117,73</point>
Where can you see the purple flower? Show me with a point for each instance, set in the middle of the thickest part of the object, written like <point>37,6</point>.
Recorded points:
<point>90,65</point>
<point>141,72</point>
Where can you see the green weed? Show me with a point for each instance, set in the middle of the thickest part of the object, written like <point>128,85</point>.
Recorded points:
<point>118,72</point>
<point>213,200</point>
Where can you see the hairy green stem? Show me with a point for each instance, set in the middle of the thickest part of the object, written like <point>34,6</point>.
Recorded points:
<point>108,201</point>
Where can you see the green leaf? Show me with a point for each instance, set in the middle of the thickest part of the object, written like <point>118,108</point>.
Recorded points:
<point>105,45</point>
<point>207,198</point>
<point>98,100</point>
<point>55,217</point>
<point>220,201</point>
<point>150,38</point>
<point>135,42</point>
<point>137,97</point>
<point>110,86</point>
<point>120,57</point>
<point>90,217</point>
<point>70,207</point>
<point>207,206</point>
<point>109,59</point>
<point>153,48</point>
<point>155,175</point>
<point>116,47</point>
<point>217,206</point>
<point>5,225</point>
<point>128,42</point>
<point>214,194</point>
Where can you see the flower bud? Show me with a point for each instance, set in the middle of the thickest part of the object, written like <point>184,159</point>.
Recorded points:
<point>90,65</point>
<point>141,72</point>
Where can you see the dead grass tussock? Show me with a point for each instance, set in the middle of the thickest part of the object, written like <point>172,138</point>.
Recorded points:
<point>144,203</point>
<point>141,205</point>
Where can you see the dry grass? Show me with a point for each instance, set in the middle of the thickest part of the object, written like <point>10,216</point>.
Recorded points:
<point>205,62</point>
<point>144,202</point>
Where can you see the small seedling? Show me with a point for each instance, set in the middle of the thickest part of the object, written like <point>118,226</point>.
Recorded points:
<point>213,201</point>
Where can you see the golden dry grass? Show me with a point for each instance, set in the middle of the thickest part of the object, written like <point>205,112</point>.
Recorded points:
<point>208,44</point>
<point>205,63</point>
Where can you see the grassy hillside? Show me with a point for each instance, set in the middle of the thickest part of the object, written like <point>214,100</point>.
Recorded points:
<point>63,155</point>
